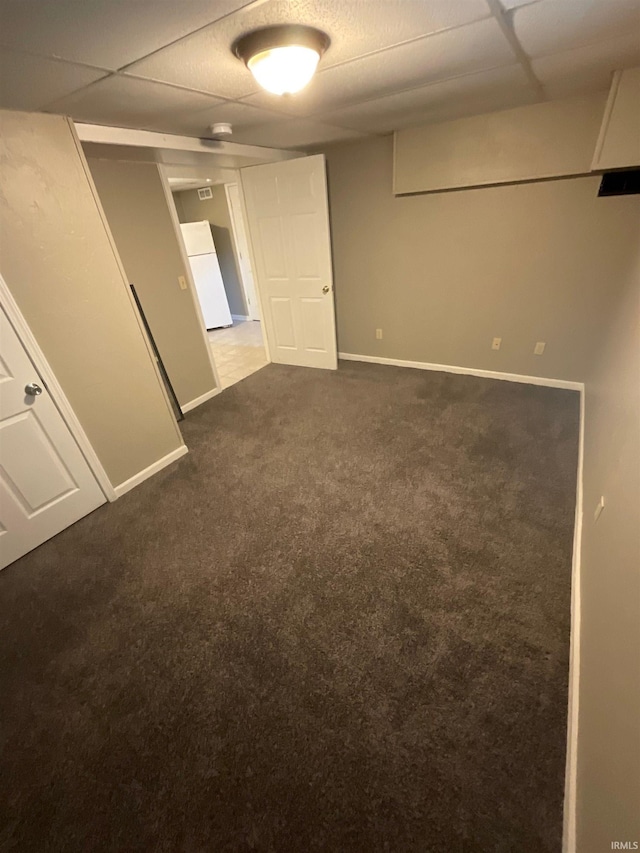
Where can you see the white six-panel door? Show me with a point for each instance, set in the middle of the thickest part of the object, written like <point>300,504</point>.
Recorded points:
<point>288,223</point>
<point>45,481</point>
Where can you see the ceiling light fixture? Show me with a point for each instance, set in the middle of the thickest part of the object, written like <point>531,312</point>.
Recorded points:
<point>282,59</point>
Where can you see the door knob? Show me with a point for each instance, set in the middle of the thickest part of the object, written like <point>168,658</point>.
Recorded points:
<point>326,288</point>
<point>32,389</point>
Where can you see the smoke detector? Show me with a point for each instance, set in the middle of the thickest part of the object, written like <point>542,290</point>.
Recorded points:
<point>221,130</point>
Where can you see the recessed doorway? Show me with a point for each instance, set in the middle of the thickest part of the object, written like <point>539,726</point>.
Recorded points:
<point>234,330</point>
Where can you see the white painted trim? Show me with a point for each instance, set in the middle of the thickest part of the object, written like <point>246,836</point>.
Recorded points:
<point>108,135</point>
<point>58,396</point>
<point>606,119</point>
<point>571,769</point>
<point>240,317</point>
<point>173,213</point>
<point>467,371</point>
<point>143,475</point>
<point>199,400</point>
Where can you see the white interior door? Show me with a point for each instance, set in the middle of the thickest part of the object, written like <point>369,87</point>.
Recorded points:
<point>45,481</point>
<point>288,223</point>
<point>242,249</point>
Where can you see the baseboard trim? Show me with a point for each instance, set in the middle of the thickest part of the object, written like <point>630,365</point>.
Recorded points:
<point>468,371</point>
<point>143,475</point>
<point>240,317</point>
<point>199,400</point>
<point>571,767</point>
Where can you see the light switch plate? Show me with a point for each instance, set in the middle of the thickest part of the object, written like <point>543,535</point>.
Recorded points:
<point>182,281</point>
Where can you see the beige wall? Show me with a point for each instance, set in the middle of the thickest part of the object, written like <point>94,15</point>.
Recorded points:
<point>442,274</point>
<point>216,210</point>
<point>60,266</point>
<point>544,140</point>
<point>134,202</point>
<point>609,720</point>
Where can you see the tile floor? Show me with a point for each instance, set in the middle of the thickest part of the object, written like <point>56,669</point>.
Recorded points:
<point>238,351</point>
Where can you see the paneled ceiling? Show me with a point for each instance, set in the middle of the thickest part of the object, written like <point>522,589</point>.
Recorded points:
<point>166,65</point>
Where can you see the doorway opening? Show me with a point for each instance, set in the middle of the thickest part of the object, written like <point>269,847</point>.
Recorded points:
<point>214,235</point>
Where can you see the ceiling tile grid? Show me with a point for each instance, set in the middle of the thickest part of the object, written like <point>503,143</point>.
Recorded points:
<point>470,94</point>
<point>448,54</point>
<point>166,65</point>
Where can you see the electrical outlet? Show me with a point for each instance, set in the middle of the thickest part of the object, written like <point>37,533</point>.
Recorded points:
<point>496,343</point>
<point>379,334</point>
<point>539,348</point>
<point>182,282</point>
<point>599,508</point>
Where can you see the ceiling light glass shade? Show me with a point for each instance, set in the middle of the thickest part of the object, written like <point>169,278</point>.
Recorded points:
<point>282,59</point>
<point>284,70</point>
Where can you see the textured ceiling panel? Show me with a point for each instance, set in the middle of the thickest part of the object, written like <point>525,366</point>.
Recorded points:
<point>391,64</point>
<point>207,65</point>
<point>125,102</point>
<point>498,89</point>
<point>586,69</point>
<point>199,123</point>
<point>104,33</point>
<point>204,60</point>
<point>30,82</point>
<point>449,54</point>
<point>513,4</point>
<point>293,133</point>
<point>556,25</point>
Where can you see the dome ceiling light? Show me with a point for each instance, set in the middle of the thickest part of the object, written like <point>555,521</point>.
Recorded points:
<point>282,59</point>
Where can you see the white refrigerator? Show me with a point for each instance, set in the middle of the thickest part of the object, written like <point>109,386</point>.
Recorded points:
<point>206,274</point>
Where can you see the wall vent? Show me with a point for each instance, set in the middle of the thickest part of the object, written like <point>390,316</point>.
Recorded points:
<point>625,182</point>
<point>205,193</point>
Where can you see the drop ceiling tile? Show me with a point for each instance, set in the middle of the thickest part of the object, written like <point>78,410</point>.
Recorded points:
<point>464,50</point>
<point>553,26</point>
<point>104,33</point>
<point>293,133</point>
<point>198,123</point>
<point>513,4</point>
<point>204,60</point>
<point>472,94</point>
<point>126,102</point>
<point>30,82</point>
<point>586,69</point>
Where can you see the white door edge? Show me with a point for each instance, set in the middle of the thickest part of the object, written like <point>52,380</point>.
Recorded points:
<point>29,342</point>
<point>234,229</point>
<point>252,258</point>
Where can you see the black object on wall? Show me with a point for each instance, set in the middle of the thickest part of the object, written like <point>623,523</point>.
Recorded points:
<point>165,376</point>
<point>625,182</point>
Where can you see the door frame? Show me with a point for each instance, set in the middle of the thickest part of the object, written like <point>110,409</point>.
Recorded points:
<point>173,213</point>
<point>62,404</point>
<point>252,259</point>
<point>234,229</point>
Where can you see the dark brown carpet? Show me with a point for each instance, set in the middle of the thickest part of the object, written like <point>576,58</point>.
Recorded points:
<point>340,624</point>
